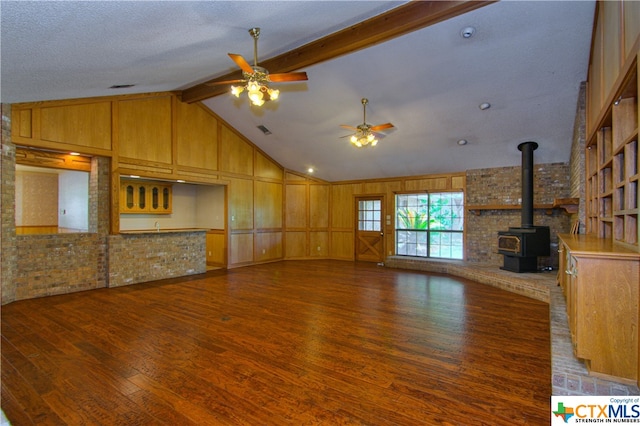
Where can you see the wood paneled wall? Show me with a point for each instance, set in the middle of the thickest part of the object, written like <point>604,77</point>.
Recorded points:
<point>616,43</point>
<point>320,217</point>
<point>144,129</point>
<point>196,124</point>
<point>273,214</point>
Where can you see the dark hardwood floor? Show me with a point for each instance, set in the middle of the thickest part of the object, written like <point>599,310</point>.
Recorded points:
<point>297,342</point>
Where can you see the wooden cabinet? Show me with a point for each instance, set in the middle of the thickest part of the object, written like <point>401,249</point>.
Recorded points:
<point>566,279</point>
<point>600,280</point>
<point>145,197</point>
<point>216,248</point>
<point>161,198</point>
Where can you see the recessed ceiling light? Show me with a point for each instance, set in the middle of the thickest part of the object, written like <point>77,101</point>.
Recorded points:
<point>467,32</point>
<point>310,170</point>
<point>462,142</point>
<point>74,153</point>
<point>121,86</point>
<point>485,105</point>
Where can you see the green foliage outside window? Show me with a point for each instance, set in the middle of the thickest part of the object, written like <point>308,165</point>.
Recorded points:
<point>412,219</point>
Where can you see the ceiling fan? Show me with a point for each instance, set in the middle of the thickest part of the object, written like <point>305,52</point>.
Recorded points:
<point>365,133</point>
<point>256,78</point>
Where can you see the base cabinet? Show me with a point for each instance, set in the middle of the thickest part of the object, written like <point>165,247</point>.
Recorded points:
<point>600,280</point>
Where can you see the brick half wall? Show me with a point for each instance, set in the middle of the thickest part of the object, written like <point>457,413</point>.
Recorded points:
<point>56,264</point>
<point>137,258</point>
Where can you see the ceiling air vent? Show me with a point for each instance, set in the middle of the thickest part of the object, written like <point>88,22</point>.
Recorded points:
<point>264,129</point>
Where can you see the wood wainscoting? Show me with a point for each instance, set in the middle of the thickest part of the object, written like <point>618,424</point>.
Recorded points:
<point>295,342</point>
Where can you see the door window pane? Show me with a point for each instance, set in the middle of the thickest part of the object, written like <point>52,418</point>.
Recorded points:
<point>369,215</point>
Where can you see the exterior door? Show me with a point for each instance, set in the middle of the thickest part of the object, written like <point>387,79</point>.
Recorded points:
<point>369,243</point>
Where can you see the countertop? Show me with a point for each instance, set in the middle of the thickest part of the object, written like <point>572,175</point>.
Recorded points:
<point>162,231</point>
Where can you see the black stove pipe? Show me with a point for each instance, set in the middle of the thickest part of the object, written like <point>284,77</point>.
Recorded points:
<point>527,149</point>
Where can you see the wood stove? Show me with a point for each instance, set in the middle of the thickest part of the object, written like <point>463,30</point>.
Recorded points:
<point>522,246</point>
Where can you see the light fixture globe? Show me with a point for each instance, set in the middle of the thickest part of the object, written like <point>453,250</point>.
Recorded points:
<point>364,137</point>
<point>257,87</point>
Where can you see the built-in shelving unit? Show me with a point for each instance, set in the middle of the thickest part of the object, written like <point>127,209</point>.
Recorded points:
<point>612,168</point>
<point>599,271</point>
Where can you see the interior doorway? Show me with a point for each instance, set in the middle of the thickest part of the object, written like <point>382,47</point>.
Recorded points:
<point>369,244</point>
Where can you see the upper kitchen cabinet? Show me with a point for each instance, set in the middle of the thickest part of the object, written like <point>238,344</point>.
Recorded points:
<point>145,197</point>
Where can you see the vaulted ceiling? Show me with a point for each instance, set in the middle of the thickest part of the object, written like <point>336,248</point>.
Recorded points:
<point>409,59</point>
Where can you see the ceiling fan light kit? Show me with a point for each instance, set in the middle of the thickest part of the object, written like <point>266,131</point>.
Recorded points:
<point>363,138</point>
<point>257,89</point>
<point>365,133</point>
<point>256,79</point>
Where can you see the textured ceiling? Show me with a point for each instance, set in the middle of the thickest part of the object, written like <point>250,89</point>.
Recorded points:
<point>527,58</point>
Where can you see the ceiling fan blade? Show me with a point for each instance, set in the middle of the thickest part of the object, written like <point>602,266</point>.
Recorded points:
<point>344,126</point>
<point>345,136</point>
<point>381,127</point>
<point>241,62</point>
<point>290,76</point>
<point>216,83</point>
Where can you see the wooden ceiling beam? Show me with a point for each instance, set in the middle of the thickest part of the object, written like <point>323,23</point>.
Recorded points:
<point>401,20</point>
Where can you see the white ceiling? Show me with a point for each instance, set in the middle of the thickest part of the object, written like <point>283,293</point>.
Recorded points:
<point>527,58</point>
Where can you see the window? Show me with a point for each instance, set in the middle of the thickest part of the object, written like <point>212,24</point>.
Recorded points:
<point>430,225</point>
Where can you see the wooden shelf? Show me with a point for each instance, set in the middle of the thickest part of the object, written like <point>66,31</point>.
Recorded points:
<point>570,205</point>
<point>613,195</point>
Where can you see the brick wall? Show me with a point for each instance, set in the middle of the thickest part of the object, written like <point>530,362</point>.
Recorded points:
<point>7,207</point>
<point>578,157</point>
<point>136,258</point>
<point>99,209</point>
<point>503,185</point>
<point>55,264</point>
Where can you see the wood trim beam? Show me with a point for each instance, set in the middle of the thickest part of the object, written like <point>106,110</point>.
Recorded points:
<point>399,21</point>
